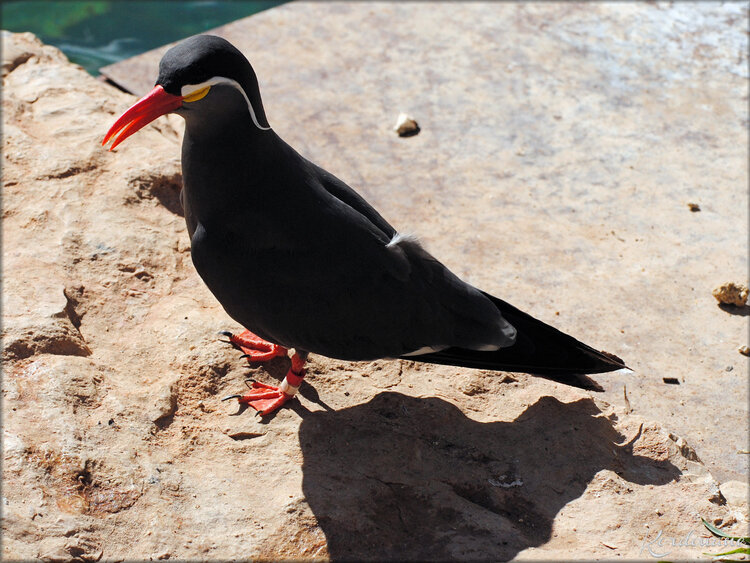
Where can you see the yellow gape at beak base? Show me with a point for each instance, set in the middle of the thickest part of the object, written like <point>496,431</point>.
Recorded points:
<point>197,95</point>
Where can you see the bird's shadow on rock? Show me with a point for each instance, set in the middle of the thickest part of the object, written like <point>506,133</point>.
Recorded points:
<point>403,478</point>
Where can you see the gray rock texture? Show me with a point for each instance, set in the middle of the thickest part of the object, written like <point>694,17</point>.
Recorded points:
<point>559,146</point>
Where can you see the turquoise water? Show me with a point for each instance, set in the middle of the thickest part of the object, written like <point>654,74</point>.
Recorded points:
<point>97,33</point>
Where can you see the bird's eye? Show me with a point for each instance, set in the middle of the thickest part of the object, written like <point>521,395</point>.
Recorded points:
<point>197,95</point>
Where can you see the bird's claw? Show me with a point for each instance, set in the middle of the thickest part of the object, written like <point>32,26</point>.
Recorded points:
<point>265,399</point>
<point>226,333</point>
<point>254,347</point>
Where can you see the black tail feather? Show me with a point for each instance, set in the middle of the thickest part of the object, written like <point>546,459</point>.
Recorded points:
<point>539,350</point>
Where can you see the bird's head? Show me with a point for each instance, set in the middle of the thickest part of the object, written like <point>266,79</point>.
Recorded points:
<point>188,73</point>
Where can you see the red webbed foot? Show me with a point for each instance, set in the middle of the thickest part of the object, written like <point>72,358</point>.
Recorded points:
<point>254,347</point>
<point>267,398</point>
<point>263,398</point>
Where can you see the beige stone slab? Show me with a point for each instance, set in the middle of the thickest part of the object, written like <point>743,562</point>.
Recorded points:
<point>559,147</point>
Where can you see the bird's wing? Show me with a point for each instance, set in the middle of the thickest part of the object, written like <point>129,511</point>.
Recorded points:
<point>347,195</point>
<point>404,296</point>
<point>540,349</point>
<point>308,263</point>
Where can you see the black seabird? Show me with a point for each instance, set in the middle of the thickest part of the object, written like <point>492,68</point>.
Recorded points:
<point>302,261</point>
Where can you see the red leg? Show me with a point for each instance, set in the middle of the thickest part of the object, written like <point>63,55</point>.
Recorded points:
<point>254,347</point>
<point>266,398</point>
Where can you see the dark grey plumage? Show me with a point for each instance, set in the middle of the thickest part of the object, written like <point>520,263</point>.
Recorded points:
<point>299,258</point>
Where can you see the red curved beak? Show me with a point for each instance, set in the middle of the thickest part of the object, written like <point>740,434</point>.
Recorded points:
<point>154,104</point>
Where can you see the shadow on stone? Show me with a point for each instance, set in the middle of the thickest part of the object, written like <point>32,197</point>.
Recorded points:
<point>402,478</point>
<point>743,311</point>
<point>164,187</point>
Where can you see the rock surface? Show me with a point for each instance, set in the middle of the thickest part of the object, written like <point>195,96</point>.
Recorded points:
<point>117,446</point>
<point>731,293</point>
<point>559,143</point>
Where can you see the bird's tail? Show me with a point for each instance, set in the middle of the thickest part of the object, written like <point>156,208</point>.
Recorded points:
<point>539,350</point>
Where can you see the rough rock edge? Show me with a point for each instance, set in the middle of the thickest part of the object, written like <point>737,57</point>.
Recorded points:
<point>19,48</point>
